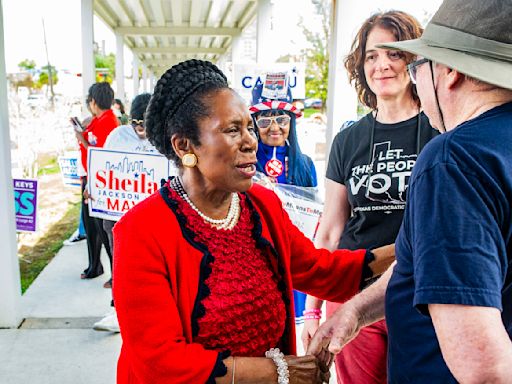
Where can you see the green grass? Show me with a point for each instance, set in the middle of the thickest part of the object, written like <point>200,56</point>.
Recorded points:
<point>34,259</point>
<point>49,167</point>
<point>309,111</point>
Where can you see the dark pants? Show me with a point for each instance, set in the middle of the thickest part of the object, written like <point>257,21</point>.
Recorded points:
<point>108,225</point>
<point>96,237</point>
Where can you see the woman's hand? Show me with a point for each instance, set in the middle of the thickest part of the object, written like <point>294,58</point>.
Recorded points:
<point>262,370</point>
<point>308,369</point>
<point>308,331</point>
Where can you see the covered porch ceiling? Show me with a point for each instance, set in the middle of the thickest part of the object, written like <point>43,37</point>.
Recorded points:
<point>163,32</point>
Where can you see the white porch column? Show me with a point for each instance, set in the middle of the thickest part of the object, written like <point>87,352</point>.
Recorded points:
<point>222,64</point>
<point>88,67</point>
<point>341,96</point>
<point>144,78</point>
<point>120,94</point>
<point>135,75</point>
<point>152,82</point>
<point>265,51</point>
<point>10,287</point>
<point>237,55</point>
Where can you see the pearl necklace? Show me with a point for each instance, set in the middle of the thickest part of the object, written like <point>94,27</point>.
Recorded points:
<point>228,222</point>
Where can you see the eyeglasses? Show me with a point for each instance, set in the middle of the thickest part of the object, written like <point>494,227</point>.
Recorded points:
<point>136,122</point>
<point>265,122</point>
<point>412,68</point>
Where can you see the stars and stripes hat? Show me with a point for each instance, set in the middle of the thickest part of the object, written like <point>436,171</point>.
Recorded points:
<point>273,93</point>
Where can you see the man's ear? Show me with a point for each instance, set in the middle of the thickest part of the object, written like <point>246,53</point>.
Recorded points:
<point>181,145</point>
<point>453,77</point>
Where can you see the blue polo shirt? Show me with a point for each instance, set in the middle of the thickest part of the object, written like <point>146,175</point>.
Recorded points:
<point>455,243</point>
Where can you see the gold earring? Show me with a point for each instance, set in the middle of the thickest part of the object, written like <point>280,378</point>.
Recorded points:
<point>189,160</point>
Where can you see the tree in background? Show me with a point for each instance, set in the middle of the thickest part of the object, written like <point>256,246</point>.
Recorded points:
<point>27,65</point>
<point>105,67</point>
<point>24,78</point>
<point>43,77</point>
<point>317,54</point>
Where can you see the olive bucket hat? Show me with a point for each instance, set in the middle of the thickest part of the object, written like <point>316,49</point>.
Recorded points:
<point>473,37</point>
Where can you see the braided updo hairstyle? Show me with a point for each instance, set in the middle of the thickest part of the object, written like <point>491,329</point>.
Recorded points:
<point>179,101</point>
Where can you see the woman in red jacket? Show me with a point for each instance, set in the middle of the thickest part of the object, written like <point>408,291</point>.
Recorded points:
<point>205,268</point>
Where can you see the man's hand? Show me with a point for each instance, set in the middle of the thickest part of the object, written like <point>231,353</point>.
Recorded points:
<point>344,325</point>
<point>338,330</point>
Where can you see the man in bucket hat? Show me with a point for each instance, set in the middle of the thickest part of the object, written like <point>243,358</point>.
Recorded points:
<point>448,298</point>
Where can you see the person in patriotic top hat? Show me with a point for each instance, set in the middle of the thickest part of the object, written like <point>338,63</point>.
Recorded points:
<point>279,155</point>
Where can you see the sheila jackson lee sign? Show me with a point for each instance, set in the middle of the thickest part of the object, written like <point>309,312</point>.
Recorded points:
<point>117,181</point>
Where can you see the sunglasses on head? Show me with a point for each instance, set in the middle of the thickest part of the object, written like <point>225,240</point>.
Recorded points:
<point>266,121</point>
<point>136,122</point>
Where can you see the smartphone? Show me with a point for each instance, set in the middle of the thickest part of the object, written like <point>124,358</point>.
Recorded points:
<point>76,124</point>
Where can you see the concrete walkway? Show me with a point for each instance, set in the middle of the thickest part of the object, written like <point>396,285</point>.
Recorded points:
<point>56,343</point>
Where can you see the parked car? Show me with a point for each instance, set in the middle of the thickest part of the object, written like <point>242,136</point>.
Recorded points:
<point>313,103</point>
<point>36,100</point>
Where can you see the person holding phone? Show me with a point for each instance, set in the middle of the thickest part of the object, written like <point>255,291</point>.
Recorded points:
<point>100,98</point>
<point>125,138</point>
<point>76,124</point>
<point>80,233</point>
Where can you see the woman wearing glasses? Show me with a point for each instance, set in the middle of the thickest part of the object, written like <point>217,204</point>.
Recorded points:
<point>279,155</point>
<point>368,172</point>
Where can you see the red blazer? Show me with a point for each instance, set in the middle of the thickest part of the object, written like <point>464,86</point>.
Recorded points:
<point>158,272</point>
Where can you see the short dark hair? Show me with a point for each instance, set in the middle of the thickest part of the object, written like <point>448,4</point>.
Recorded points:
<point>179,101</point>
<point>102,94</point>
<point>403,26</point>
<point>139,105</point>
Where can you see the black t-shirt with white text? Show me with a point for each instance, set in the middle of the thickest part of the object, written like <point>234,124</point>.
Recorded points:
<point>378,206</point>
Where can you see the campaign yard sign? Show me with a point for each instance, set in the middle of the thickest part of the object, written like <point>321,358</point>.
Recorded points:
<point>303,207</point>
<point>118,181</point>
<point>68,164</point>
<point>25,203</point>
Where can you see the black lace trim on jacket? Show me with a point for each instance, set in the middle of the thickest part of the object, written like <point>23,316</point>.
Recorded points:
<point>219,369</point>
<point>203,291</point>
<point>367,278</point>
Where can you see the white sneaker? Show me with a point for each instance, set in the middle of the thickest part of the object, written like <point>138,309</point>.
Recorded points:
<point>108,323</point>
<point>75,238</point>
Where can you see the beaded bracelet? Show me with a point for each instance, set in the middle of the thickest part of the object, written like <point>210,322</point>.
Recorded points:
<point>313,311</point>
<point>233,371</point>
<point>312,317</point>
<point>283,375</point>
